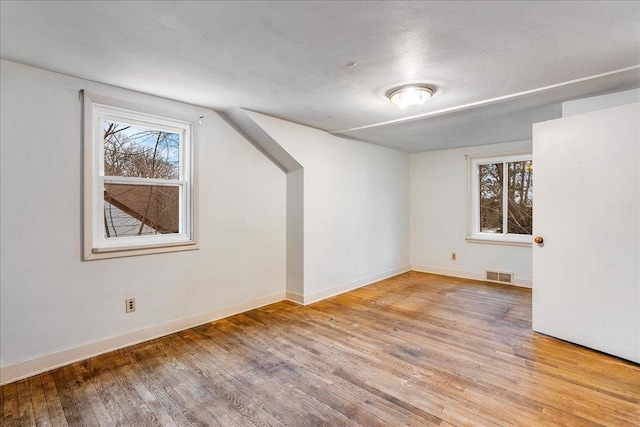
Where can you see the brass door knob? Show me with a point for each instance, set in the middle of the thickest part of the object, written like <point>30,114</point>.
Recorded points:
<point>538,239</point>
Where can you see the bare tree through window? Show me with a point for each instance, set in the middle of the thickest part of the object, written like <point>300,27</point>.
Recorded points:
<point>519,197</point>
<point>140,209</point>
<point>491,186</point>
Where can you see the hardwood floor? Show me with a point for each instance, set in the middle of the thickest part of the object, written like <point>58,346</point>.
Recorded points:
<point>416,350</point>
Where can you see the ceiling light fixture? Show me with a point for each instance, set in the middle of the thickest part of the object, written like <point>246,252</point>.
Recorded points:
<point>407,95</point>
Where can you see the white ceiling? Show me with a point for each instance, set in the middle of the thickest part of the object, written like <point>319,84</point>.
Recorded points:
<point>294,59</point>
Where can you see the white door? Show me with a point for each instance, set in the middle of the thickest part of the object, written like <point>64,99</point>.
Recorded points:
<point>586,273</point>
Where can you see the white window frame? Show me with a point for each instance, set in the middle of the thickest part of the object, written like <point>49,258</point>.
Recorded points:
<point>474,235</point>
<point>97,110</point>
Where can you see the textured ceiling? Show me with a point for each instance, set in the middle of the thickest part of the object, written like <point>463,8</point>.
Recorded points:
<point>329,64</point>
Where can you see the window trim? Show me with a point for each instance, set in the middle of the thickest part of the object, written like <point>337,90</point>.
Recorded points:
<point>95,109</point>
<point>473,196</point>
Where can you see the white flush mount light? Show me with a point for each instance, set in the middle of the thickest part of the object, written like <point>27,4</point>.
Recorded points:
<point>405,96</point>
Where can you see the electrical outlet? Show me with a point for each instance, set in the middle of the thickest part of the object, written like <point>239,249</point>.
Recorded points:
<point>454,256</point>
<point>130,305</point>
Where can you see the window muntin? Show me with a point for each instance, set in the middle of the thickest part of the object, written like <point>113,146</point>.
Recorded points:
<point>501,207</point>
<point>141,183</point>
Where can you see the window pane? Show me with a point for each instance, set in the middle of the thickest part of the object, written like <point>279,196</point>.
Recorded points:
<point>490,176</point>
<point>520,198</point>
<point>137,210</point>
<point>134,151</point>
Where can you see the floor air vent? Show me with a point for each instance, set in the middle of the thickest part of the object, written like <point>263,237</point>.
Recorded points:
<point>499,277</point>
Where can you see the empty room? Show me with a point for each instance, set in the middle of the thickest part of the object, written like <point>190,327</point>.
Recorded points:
<point>320,213</point>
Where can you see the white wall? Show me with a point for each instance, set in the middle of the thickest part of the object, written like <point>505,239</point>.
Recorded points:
<point>439,218</point>
<point>594,103</point>
<point>295,233</point>
<point>356,207</point>
<point>52,302</point>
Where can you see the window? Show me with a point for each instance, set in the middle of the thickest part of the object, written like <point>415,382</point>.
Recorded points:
<point>139,183</point>
<point>501,199</point>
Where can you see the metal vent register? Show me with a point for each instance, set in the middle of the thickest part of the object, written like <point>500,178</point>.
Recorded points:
<point>499,277</point>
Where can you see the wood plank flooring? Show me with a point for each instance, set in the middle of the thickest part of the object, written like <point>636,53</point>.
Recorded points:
<point>415,350</point>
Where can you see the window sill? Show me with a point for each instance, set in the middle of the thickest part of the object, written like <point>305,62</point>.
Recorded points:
<point>127,251</point>
<point>498,242</point>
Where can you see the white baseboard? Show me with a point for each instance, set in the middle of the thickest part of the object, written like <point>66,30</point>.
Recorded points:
<point>294,297</point>
<point>18,371</point>
<point>523,283</point>
<point>318,296</point>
